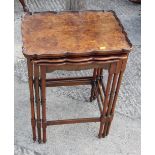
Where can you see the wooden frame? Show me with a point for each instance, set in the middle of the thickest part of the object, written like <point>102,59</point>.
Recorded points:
<point>106,97</point>
<point>39,64</point>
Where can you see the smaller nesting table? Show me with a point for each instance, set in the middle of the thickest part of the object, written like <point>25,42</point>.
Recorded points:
<point>74,41</point>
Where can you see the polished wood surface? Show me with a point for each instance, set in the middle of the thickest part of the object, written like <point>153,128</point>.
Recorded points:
<point>73,33</point>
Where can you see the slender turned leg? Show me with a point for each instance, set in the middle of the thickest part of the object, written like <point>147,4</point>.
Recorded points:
<point>37,99</point>
<point>25,8</point>
<point>99,77</point>
<point>93,85</point>
<point>111,111</point>
<point>112,92</point>
<point>30,76</point>
<point>98,74</point>
<point>97,92</point>
<point>43,99</point>
<point>101,80</point>
<point>105,101</point>
<point>110,103</point>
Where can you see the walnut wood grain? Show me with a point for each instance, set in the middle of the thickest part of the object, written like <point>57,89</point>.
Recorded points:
<point>73,33</point>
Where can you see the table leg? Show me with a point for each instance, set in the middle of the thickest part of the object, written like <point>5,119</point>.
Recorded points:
<point>101,80</point>
<point>99,73</point>
<point>105,101</point>
<point>37,99</point>
<point>120,69</point>
<point>97,77</point>
<point>43,99</point>
<point>30,76</point>
<point>112,92</point>
<point>93,85</point>
<point>100,103</point>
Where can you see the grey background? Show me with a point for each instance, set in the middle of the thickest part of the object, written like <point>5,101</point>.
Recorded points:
<point>70,102</point>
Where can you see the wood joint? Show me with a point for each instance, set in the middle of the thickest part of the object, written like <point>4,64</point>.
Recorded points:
<point>44,124</point>
<point>106,118</point>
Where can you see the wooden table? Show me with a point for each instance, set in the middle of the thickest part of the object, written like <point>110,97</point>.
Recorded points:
<point>74,41</point>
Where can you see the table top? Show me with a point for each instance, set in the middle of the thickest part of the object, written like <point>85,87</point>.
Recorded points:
<point>80,33</point>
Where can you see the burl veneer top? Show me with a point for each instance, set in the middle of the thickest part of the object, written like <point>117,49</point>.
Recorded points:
<point>73,33</point>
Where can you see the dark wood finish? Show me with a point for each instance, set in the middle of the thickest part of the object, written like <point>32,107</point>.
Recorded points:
<point>99,79</point>
<point>74,41</point>
<point>25,8</point>
<point>99,105</point>
<point>37,98</point>
<point>43,100</point>
<point>93,85</point>
<point>135,1</point>
<point>102,83</point>
<point>30,76</point>
<point>116,95</point>
<point>112,92</point>
<point>105,101</point>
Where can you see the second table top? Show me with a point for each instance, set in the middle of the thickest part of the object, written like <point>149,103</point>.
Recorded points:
<point>73,33</point>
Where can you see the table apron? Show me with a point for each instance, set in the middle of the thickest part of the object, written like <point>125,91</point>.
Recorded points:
<point>77,66</point>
